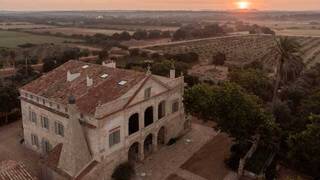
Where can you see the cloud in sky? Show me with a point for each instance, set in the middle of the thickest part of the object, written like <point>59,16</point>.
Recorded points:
<point>154,4</point>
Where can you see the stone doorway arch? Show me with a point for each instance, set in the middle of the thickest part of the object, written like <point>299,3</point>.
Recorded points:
<point>148,145</point>
<point>161,138</point>
<point>133,153</point>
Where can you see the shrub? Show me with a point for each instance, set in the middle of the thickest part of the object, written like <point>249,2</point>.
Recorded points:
<point>172,141</point>
<point>124,171</point>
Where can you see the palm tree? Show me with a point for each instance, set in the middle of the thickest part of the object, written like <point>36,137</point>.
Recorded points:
<point>289,63</point>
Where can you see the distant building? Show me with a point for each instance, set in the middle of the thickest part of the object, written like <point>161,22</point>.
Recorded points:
<point>82,115</point>
<point>12,170</point>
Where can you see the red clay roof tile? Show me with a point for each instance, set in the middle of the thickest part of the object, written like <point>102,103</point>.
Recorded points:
<point>54,85</point>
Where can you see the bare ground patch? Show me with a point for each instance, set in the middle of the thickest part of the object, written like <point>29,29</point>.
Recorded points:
<point>208,162</point>
<point>174,177</point>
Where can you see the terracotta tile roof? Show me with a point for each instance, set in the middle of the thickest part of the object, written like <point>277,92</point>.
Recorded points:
<point>14,171</point>
<point>54,85</point>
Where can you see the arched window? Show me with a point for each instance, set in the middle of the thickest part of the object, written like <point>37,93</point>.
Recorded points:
<point>161,109</point>
<point>133,123</point>
<point>148,116</point>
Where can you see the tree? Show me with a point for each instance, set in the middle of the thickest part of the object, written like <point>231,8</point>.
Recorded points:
<point>180,34</point>
<point>9,99</point>
<point>124,171</point>
<point>289,63</point>
<point>104,54</point>
<point>140,34</point>
<point>311,105</point>
<point>239,114</point>
<point>124,36</point>
<point>304,148</point>
<point>154,34</point>
<point>255,81</point>
<point>218,59</point>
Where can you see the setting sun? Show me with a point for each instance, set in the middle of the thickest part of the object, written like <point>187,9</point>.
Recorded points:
<point>243,5</point>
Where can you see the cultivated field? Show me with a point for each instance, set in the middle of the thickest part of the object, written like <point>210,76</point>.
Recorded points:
<point>238,49</point>
<point>76,31</point>
<point>21,25</point>
<point>242,50</point>
<point>128,27</point>
<point>11,39</point>
<point>299,32</point>
<point>292,28</point>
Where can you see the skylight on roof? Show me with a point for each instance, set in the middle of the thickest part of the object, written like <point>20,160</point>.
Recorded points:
<point>122,83</point>
<point>104,76</point>
<point>85,67</point>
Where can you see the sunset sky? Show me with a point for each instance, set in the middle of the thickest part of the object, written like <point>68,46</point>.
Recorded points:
<point>156,4</point>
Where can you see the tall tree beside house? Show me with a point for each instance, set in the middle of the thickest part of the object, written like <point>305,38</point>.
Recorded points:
<point>237,113</point>
<point>9,99</point>
<point>288,62</point>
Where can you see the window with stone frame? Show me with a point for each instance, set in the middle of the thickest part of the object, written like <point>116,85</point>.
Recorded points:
<point>44,122</point>
<point>175,106</point>
<point>32,116</point>
<point>147,93</point>
<point>34,140</point>
<point>59,128</point>
<point>46,146</point>
<point>114,137</point>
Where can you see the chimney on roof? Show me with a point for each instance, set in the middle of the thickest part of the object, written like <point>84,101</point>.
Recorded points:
<point>89,81</point>
<point>109,63</point>
<point>71,77</point>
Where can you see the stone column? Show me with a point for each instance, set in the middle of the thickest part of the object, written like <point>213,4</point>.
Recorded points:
<point>141,151</point>
<point>141,120</point>
<point>155,112</point>
<point>155,142</point>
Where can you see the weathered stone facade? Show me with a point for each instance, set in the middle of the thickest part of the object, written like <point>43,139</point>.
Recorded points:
<point>143,117</point>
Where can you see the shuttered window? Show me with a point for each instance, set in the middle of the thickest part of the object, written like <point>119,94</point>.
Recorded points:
<point>114,138</point>
<point>59,128</point>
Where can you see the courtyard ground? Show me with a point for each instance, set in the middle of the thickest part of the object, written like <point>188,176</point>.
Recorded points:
<point>199,155</point>
<point>11,149</point>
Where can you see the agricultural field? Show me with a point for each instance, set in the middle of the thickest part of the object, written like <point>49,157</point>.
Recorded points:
<point>292,28</point>
<point>12,39</point>
<point>299,32</point>
<point>310,50</point>
<point>239,51</point>
<point>137,27</point>
<point>21,25</point>
<point>76,31</point>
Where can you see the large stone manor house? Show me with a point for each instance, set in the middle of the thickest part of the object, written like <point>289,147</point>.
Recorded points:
<point>80,116</point>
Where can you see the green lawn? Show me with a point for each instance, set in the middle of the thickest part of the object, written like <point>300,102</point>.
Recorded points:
<point>11,39</point>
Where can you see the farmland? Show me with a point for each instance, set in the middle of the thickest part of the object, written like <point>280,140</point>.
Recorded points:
<point>75,31</point>
<point>137,27</point>
<point>11,39</point>
<point>239,51</point>
<point>21,25</point>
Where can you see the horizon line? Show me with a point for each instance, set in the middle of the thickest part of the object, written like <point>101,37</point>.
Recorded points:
<point>196,10</point>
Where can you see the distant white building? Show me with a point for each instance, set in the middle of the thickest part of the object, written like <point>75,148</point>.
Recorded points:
<point>82,115</point>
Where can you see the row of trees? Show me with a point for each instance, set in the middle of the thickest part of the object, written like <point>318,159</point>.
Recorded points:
<point>9,95</point>
<point>197,31</point>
